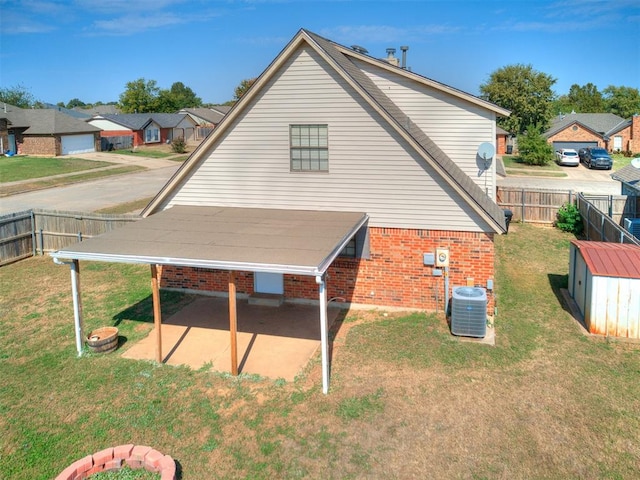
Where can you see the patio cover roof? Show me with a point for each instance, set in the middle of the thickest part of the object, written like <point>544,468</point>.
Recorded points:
<point>227,238</point>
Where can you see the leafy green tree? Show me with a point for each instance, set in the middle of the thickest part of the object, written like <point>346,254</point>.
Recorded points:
<point>242,88</point>
<point>18,96</point>
<point>533,146</point>
<point>75,102</point>
<point>623,101</point>
<point>581,99</point>
<point>177,97</point>
<point>140,96</point>
<point>525,92</point>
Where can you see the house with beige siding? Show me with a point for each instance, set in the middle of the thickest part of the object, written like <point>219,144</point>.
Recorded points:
<point>326,128</point>
<point>336,178</point>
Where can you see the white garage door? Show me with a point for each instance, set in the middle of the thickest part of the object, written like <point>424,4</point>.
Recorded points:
<point>77,144</point>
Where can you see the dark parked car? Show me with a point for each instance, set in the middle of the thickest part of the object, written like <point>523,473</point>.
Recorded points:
<point>581,153</point>
<point>596,157</point>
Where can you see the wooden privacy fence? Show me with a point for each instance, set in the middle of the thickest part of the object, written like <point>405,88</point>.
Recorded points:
<point>32,232</point>
<point>599,227</point>
<point>541,206</point>
<point>534,206</point>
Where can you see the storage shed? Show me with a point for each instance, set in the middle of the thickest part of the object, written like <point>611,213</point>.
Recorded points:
<point>604,281</point>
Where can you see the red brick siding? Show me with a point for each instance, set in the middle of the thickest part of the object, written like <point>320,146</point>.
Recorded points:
<point>501,140</point>
<point>581,134</point>
<point>394,275</point>
<point>40,145</point>
<point>116,133</point>
<point>630,136</point>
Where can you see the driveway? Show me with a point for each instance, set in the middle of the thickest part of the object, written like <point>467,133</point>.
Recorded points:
<point>578,179</point>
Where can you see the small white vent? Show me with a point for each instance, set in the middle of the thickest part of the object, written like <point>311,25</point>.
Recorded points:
<point>469,311</point>
<point>632,225</point>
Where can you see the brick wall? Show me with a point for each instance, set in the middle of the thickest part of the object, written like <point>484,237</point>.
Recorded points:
<point>580,134</point>
<point>41,145</point>
<point>394,275</point>
<point>634,135</point>
<point>501,144</point>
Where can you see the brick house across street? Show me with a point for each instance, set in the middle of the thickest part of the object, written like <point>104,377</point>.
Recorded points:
<point>606,130</point>
<point>45,131</point>
<point>336,176</point>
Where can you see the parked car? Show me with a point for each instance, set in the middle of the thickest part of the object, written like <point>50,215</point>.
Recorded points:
<point>597,157</point>
<point>581,154</point>
<point>567,156</point>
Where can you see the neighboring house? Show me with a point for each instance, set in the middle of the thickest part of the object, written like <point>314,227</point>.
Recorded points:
<point>606,130</point>
<point>47,132</point>
<point>629,178</point>
<point>502,142</point>
<point>206,118</point>
<point>146,128</point>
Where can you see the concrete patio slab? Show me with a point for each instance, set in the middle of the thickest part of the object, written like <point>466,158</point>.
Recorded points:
<point>273,342</point>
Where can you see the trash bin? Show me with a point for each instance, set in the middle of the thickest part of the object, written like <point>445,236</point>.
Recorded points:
<point>509,149</point>
<point>508,214</point>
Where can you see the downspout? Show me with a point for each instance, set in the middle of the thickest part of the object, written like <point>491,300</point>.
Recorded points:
<point>77,304</point>
<point>324,337</point>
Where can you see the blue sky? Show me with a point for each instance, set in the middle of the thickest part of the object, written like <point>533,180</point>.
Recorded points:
<point>90,49</point>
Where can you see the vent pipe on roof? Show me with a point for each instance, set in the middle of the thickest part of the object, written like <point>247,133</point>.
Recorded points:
<point>404,49</point>
<point>391,57</point>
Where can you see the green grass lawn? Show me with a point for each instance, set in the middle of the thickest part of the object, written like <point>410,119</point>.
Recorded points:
<point>514,165</point>
<point>407,400</point>
<point>13,169</point>
<point>620,161</point>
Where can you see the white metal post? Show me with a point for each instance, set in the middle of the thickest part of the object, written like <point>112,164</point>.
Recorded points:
<point>77,303</point>
<point>324,336</point>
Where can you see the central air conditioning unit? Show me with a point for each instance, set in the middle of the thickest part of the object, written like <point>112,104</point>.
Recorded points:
<point>632,225</point>
<point>469,312</point>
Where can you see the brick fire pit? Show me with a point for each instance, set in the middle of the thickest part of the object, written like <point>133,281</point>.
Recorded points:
<point>132,456</point>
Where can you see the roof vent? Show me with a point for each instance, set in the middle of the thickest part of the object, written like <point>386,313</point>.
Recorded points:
<point>404,49</point>
<point>359,49</point>
<point>391,57</point>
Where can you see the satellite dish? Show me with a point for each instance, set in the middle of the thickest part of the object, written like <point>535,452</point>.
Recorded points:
<point>486,151</point>
<point>636,163</point>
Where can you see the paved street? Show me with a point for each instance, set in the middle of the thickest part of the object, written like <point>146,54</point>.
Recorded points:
<point>94,195</point>
<point>97,194</point>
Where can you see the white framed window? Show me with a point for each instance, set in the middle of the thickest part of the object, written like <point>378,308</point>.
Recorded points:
<point>309,145</point>
<point>617,142</point>
<point>151,134</point>
<point>358,246</point>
